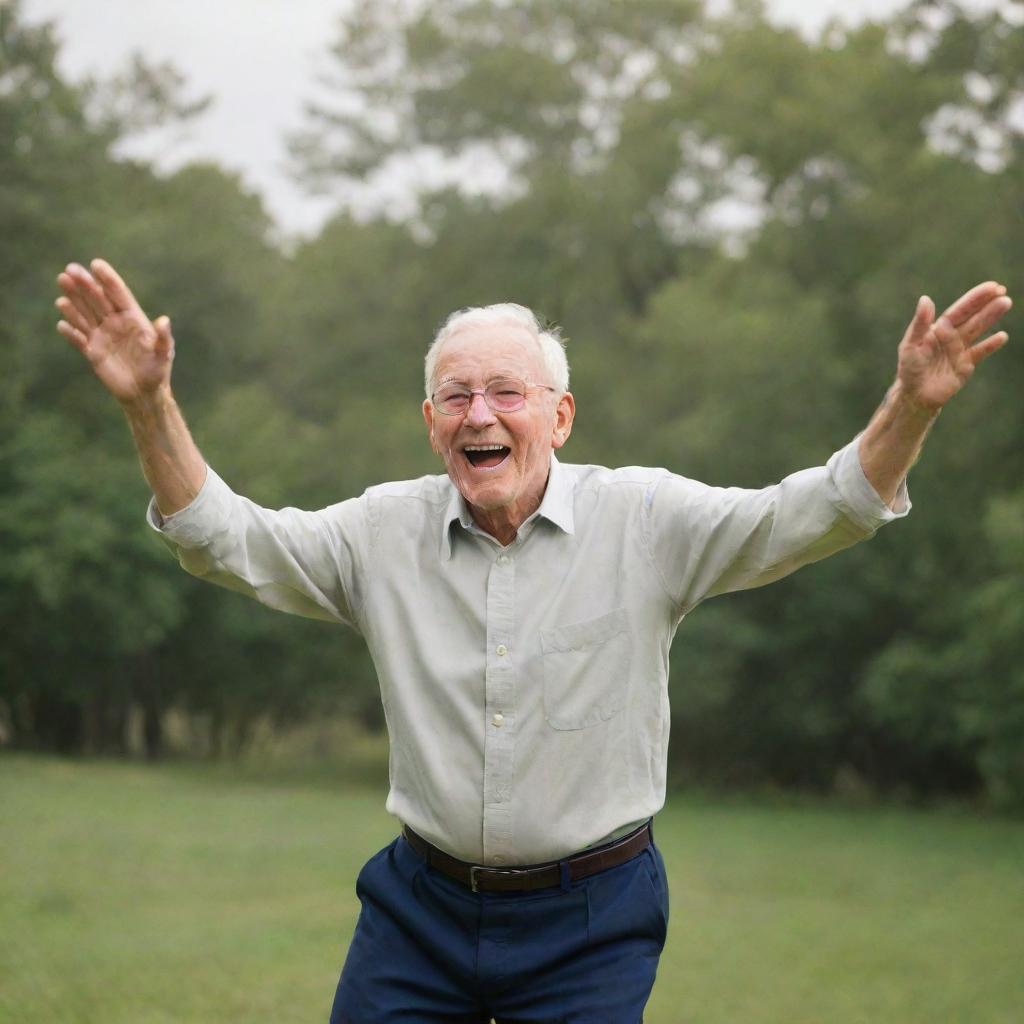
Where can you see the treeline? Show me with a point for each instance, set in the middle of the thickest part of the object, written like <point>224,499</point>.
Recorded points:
<point>878,164</point>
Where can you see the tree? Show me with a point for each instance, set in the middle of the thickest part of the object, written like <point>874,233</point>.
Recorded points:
<point>87,603</point>
<point>881,162</point>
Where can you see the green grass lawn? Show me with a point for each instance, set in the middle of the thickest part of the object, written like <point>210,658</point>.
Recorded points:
<point>139,895</point>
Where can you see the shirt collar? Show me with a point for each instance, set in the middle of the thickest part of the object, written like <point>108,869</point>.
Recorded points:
<point>456,511</point>
<point>556,506</point>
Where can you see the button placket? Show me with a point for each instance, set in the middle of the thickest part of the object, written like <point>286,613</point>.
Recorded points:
<point>499,711</point>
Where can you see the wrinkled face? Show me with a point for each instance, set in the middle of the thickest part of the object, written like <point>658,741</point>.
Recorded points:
<point>504,483</point>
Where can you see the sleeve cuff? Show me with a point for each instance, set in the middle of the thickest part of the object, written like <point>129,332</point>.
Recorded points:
<point>858,499</point>
<point>197,522</point>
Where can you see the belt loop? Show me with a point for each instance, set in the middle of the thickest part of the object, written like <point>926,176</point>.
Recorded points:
<point>563,872</point>
<point>650,829</point>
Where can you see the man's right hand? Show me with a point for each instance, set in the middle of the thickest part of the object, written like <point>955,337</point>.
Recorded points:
<point>131,355</point>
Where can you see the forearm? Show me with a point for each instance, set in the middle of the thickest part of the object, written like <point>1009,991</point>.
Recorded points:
<point>892,441</point>
<point>171,462</point>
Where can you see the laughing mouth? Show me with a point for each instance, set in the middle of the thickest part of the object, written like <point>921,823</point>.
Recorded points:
<point>486,456</point>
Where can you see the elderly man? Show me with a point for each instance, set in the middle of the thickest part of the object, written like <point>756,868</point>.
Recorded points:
<point>519,612</point>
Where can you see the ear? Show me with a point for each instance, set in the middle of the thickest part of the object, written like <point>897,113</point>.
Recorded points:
<point>565,412</point>
<point>428,417</point>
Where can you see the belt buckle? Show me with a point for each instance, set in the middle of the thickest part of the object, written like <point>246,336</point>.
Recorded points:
<point>474,868</point>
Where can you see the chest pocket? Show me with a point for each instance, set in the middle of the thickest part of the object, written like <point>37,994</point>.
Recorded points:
<point>586,670</point>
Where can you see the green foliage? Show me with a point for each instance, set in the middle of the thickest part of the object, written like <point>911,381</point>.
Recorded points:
<point>884,163</point>
<point>962,687</point>
<point>92,618</point>
<point>543,78</point>
<point>737,329</point>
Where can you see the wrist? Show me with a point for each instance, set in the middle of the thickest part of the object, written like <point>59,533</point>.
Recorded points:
<point>150,404</point>
<point>900,400</point>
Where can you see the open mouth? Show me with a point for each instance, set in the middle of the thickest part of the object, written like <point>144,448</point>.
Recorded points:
<point>486,456</point>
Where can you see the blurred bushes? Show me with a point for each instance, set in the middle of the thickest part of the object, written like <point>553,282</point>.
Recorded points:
<point>880,163</point>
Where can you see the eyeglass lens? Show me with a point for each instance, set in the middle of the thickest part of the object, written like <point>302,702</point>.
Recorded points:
<point>500,395</point>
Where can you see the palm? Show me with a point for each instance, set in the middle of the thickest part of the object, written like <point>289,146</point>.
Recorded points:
<point>935,372</point>
<point>937,357</point>
<point>129,354</point>
<point>121,351</point>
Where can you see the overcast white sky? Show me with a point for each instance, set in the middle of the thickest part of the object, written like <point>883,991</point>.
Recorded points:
<point>258,59</point>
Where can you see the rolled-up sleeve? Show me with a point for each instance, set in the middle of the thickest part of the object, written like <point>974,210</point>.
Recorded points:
<point>712,540</point>
<point>310,563</point>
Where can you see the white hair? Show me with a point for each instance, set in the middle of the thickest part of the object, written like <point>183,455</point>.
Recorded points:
<point>550,340</point>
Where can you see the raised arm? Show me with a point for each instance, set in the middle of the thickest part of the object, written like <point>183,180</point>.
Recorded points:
<point>935,360</point>
<point>132,357</point>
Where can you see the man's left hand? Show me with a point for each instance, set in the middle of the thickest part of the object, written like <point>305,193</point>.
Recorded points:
<point>937,357</point>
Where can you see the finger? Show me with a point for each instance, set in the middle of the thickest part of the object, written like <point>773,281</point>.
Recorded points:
<point>77,298</point>
<point>970,302</point>
<point>924,317</point>
<point>985,348</point>
<point>70,313</point>
<point>72,300</point>
<point>948,336</point>
<point>74,335</point>
<point>118,293</point>
<point>164,346</point>
<point>985,318</point>
<point>90,291</point>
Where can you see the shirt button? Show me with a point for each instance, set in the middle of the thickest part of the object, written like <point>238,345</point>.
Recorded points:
<point>501,650</point>
<point>498,719</point>
<point>498,860</point>
<point>503,559</point>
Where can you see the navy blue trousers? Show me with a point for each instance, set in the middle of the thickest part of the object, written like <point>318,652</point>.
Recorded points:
<point>427,950</point>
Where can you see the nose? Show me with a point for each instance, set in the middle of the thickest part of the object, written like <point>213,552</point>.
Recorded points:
<point>479,413</point>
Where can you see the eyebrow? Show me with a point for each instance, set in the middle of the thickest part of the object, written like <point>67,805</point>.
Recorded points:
<point>501,375</point>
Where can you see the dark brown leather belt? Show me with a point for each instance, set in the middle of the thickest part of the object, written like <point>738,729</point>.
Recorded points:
<point>538,876</point>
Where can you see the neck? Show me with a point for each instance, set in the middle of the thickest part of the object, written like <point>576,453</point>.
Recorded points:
<point>502,524</point>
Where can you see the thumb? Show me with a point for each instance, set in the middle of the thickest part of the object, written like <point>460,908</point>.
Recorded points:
<point>164,339</point>
<point>924,317</point>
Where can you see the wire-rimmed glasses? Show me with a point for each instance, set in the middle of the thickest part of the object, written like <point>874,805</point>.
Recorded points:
<point>507,394</point>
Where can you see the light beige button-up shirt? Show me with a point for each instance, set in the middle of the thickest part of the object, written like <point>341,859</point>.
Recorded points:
<point>525,687</point>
